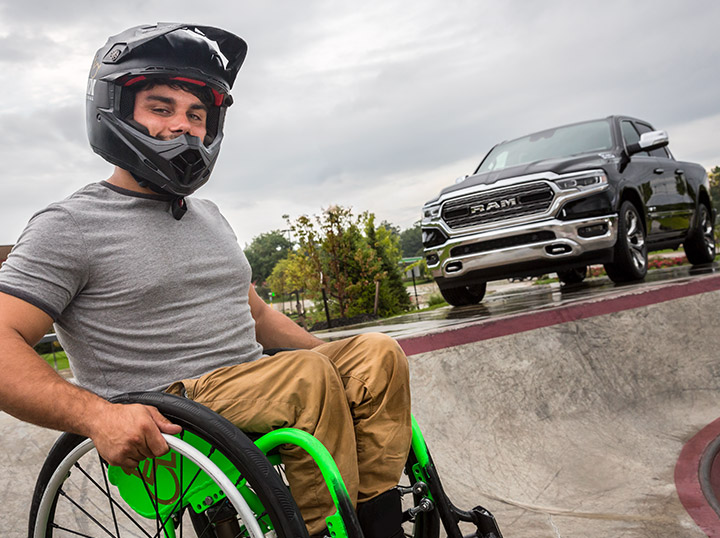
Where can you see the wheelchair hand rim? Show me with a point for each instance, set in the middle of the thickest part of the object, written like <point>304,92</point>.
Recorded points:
<point>180,446</point>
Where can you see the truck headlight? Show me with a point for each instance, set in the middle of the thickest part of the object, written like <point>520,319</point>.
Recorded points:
<point>584,181</point>
<point>431,211</point>
<point>432,237</point>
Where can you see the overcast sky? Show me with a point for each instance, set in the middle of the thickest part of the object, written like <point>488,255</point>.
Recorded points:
<point>374,104</point>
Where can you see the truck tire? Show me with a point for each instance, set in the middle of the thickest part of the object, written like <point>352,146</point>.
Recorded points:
<point>631,252</point>
<point>464,295</point>
<point>700,245</point>
<point>573,276</point>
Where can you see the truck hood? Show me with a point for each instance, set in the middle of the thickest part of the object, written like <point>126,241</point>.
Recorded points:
<point>558,166</point>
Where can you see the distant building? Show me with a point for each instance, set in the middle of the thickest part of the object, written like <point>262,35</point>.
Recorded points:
<point>410,267</point>
<point>4,251</point>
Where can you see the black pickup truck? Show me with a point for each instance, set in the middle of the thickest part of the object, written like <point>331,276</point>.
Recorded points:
<point>605,191</point>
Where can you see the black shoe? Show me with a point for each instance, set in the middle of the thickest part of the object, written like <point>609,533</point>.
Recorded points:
<point>381,516</point>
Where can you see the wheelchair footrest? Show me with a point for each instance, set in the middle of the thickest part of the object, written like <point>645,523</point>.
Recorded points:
<point>483,520</point>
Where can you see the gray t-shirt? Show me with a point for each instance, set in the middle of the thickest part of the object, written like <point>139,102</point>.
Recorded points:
<point>139,299</point>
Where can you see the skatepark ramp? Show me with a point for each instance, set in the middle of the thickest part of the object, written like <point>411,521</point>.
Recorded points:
<point>571,422</point>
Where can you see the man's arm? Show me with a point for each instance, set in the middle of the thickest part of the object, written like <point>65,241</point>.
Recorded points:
<point>32,391</point>
<point>275,329</point>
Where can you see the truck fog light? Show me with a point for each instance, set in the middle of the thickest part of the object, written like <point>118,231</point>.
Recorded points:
<point>593,231</point>
<point>558,248</point>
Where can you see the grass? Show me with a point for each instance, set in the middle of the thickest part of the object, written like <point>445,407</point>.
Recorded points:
<point>418,281</point>
<point>60,356</point>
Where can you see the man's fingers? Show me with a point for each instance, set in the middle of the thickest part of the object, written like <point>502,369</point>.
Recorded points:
<point>131,433</point>
<point>155,444</point>
<point>163,423</point>
<point>154,440</point>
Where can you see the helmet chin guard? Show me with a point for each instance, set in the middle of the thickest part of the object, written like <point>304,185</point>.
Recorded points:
<point>189,55</point>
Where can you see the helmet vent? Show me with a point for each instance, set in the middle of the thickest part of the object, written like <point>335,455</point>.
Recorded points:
<point>189,166</point>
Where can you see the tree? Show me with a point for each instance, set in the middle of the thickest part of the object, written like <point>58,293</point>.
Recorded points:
<point>714,176</point>
<point>264,252</point>
<point>393,297</point>
<point>334,256</point>
<point>390,227</point>
<point>411,241</point>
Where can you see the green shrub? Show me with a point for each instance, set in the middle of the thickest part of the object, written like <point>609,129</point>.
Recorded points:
<point>436,299</point>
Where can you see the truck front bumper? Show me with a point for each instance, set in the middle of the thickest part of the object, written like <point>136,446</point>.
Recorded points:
<point>527,250</point>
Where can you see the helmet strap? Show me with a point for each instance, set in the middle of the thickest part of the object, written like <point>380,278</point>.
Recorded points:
<point>178,207</point>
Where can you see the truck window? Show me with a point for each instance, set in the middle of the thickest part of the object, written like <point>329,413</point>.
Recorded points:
<point>561,142</point>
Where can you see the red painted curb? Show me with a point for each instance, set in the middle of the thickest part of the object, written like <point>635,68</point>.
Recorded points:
<point>687,479</point>
<point>484,330</point>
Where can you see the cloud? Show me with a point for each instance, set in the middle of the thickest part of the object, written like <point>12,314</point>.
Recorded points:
<point>377,107</point>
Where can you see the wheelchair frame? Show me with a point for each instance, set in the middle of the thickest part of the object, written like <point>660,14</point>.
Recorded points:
<point>225,484</point>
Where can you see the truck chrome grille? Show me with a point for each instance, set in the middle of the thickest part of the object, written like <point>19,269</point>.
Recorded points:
<point>498,204</point>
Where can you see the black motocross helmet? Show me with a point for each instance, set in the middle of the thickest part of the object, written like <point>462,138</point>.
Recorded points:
<point>189,54</point>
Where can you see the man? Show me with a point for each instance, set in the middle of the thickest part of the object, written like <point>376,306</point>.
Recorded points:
<point>149,290</point>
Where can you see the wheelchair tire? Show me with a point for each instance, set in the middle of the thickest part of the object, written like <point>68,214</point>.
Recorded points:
<point>78,499</point>
<point>425,524</point>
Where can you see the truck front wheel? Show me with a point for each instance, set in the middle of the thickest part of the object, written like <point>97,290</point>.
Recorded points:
<point>464,295</point>
<point>573,276</point>
<point>631,252</point>
<point>700,244</point>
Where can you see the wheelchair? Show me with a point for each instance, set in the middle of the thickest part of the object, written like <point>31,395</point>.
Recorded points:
<point>217,483</point>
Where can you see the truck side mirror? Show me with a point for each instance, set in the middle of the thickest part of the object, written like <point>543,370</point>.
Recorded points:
<point>648,142</point>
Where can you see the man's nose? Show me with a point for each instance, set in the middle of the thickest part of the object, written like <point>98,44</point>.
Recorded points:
<point>180,124</point>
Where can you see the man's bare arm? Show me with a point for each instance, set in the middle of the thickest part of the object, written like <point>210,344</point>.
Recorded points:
<point>275,329</point>
<point>32,391</point>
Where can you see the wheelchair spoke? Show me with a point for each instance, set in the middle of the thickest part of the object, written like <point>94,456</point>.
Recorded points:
<point>103,466</point>
<point>178,504</point>
<point>178,507</point>
<point>112,501</point>
<point>182,492</point>
<point>152,499</point>
<point>60,528</point>
<point>157,502</point>
<point>89,516</point>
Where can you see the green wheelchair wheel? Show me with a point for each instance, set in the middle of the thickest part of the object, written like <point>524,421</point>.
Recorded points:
<point>75,494</point>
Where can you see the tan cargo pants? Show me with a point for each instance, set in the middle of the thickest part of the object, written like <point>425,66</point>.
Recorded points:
<point>353,395</point>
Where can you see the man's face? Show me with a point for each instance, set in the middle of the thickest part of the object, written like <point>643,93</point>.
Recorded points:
<point>169,112</point>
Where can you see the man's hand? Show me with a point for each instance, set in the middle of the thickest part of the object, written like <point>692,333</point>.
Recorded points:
<point>125,434</point>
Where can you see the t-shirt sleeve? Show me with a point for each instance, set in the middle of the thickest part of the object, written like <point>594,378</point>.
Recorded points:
<point>48,265</point>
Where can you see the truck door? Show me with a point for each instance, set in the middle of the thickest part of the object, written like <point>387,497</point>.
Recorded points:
<point>676,203</point>
<point>642,172</point>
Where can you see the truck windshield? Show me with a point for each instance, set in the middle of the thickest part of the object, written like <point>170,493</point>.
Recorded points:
<point>589,137</point>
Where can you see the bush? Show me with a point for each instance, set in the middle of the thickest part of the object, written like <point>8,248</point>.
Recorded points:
<point>436,299</point>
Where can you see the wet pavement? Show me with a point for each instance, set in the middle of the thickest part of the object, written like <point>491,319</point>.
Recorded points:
<point>505,299</point>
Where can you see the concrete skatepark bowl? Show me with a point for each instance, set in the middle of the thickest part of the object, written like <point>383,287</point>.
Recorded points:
<point>585,420</point>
